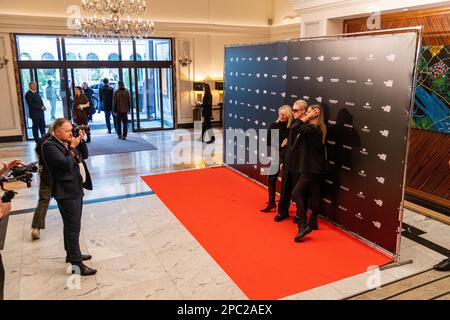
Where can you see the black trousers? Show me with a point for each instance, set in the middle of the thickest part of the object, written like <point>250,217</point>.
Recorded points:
<point>206,126</point>
<point>272,185</point>
<point>108,120</point>
<point>122,118</point>
<point>307,185</point>
<point>2,278</point>
<point>70,210</point>
<point>45,194</point>
<point>38,126</point>
<point>288,184</point>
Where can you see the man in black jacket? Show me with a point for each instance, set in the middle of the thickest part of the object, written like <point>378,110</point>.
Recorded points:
<point>106,99</point>
<point>64,158</point>
<point>36,110</point>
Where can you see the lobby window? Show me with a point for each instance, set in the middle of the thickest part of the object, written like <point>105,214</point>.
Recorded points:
<point>85,49</point>
<point>38,48</point>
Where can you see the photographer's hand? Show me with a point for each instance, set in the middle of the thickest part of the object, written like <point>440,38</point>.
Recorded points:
<point>8,166</point>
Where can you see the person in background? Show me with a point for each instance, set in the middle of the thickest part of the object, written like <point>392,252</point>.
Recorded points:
<point>89,93</point>
<point>291,171</point>
<point>5,209</point>
<point>207,113</point>
<point>45,191</point>
<point>80,110</point>
<point>106,98</point>
<point>36,110</point>
<point>282,125</point>
<point>64,157</point>
<point>51,94</point>
<point>121,107</point>
<point>313,166</point>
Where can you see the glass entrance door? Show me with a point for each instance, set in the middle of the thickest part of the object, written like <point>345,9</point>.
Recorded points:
<point>149,114</point>
<point>51,88</point>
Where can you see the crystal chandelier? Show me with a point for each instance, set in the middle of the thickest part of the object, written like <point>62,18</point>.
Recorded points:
<point>107,19</point>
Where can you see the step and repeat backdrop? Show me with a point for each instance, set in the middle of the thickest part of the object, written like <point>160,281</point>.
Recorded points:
<point>365,85</point>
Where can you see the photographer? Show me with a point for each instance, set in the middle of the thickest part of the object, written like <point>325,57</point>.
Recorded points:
<point>5,208</point>
<point>45,191</point>
<point>64,158</point>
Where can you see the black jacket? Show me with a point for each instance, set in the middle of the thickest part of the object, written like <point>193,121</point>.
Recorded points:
<point>283,133</point>
<point>64,170</point>
<point>106,97</point>
<point>207,106</point>
<point>35,104</point>
<point>306,150</point>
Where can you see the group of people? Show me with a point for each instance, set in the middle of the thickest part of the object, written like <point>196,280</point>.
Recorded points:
<point>302,159</point>
<point>114,103</point>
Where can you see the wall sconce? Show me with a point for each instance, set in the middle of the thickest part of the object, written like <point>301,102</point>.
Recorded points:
<point>3,62</point>
<point>185,61</point>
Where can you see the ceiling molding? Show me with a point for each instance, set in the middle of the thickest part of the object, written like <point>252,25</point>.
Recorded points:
<point>58,25</point>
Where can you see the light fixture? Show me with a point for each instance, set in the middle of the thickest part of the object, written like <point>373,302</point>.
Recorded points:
<point>185,61</point>
<point>3,62</point>
<point>107,19</point>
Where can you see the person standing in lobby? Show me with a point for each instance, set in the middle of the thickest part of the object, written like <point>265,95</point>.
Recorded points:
<point>121,107</point>
<point>106,99</point>
<point>36,110</point>
<point>51,95</point>
<point>207,113</point>
<point>64,158</point>
<point>80,110</point>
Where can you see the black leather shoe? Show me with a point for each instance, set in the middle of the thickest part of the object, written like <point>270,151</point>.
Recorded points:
<point>443,265</point>
<point>85,257</point>
<point>280,217</point>
<point>302,232</point>
<point>83,270</point>
<point>313,222</point>
<point>269,207</point>
<point>296,220</point>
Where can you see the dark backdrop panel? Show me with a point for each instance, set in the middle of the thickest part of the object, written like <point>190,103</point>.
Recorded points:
<point>365,84</point>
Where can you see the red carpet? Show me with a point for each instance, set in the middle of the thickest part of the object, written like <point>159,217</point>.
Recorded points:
<point>221,210</point>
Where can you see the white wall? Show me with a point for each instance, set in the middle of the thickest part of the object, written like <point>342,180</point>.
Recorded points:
<point>9,109</point>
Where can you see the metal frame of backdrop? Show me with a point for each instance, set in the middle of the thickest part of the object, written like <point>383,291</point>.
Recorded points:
<point>419,35</point>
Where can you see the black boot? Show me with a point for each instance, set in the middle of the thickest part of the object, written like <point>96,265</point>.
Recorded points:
<point>303,229</point>
<point>312,223</point>
<point>269,207</point>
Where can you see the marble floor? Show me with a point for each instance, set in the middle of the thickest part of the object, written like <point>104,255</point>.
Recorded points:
<point>140,249</point>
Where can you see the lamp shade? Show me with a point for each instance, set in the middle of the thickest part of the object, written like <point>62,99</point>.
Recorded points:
<point>198,86</point>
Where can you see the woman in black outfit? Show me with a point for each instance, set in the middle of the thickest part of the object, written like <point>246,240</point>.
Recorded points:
<point>313,165</point>
<point>282,125</point>
<point>207,112</point>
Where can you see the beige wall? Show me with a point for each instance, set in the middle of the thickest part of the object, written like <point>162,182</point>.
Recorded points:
<point>230,12</point>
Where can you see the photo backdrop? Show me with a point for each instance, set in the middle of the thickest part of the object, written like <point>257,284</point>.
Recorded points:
<point>366,86</point>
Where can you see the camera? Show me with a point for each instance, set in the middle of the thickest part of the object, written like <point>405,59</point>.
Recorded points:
<point>18,173</point>
<point>76,129</point>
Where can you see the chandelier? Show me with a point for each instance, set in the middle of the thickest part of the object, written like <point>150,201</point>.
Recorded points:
<point>107,19</point>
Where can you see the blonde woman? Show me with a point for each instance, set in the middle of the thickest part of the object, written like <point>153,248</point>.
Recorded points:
<point>313,165</point>
<point>282,124</point>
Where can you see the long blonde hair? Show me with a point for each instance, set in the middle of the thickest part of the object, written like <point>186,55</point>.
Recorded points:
<point>286,108</point>
<point>321,121</point>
